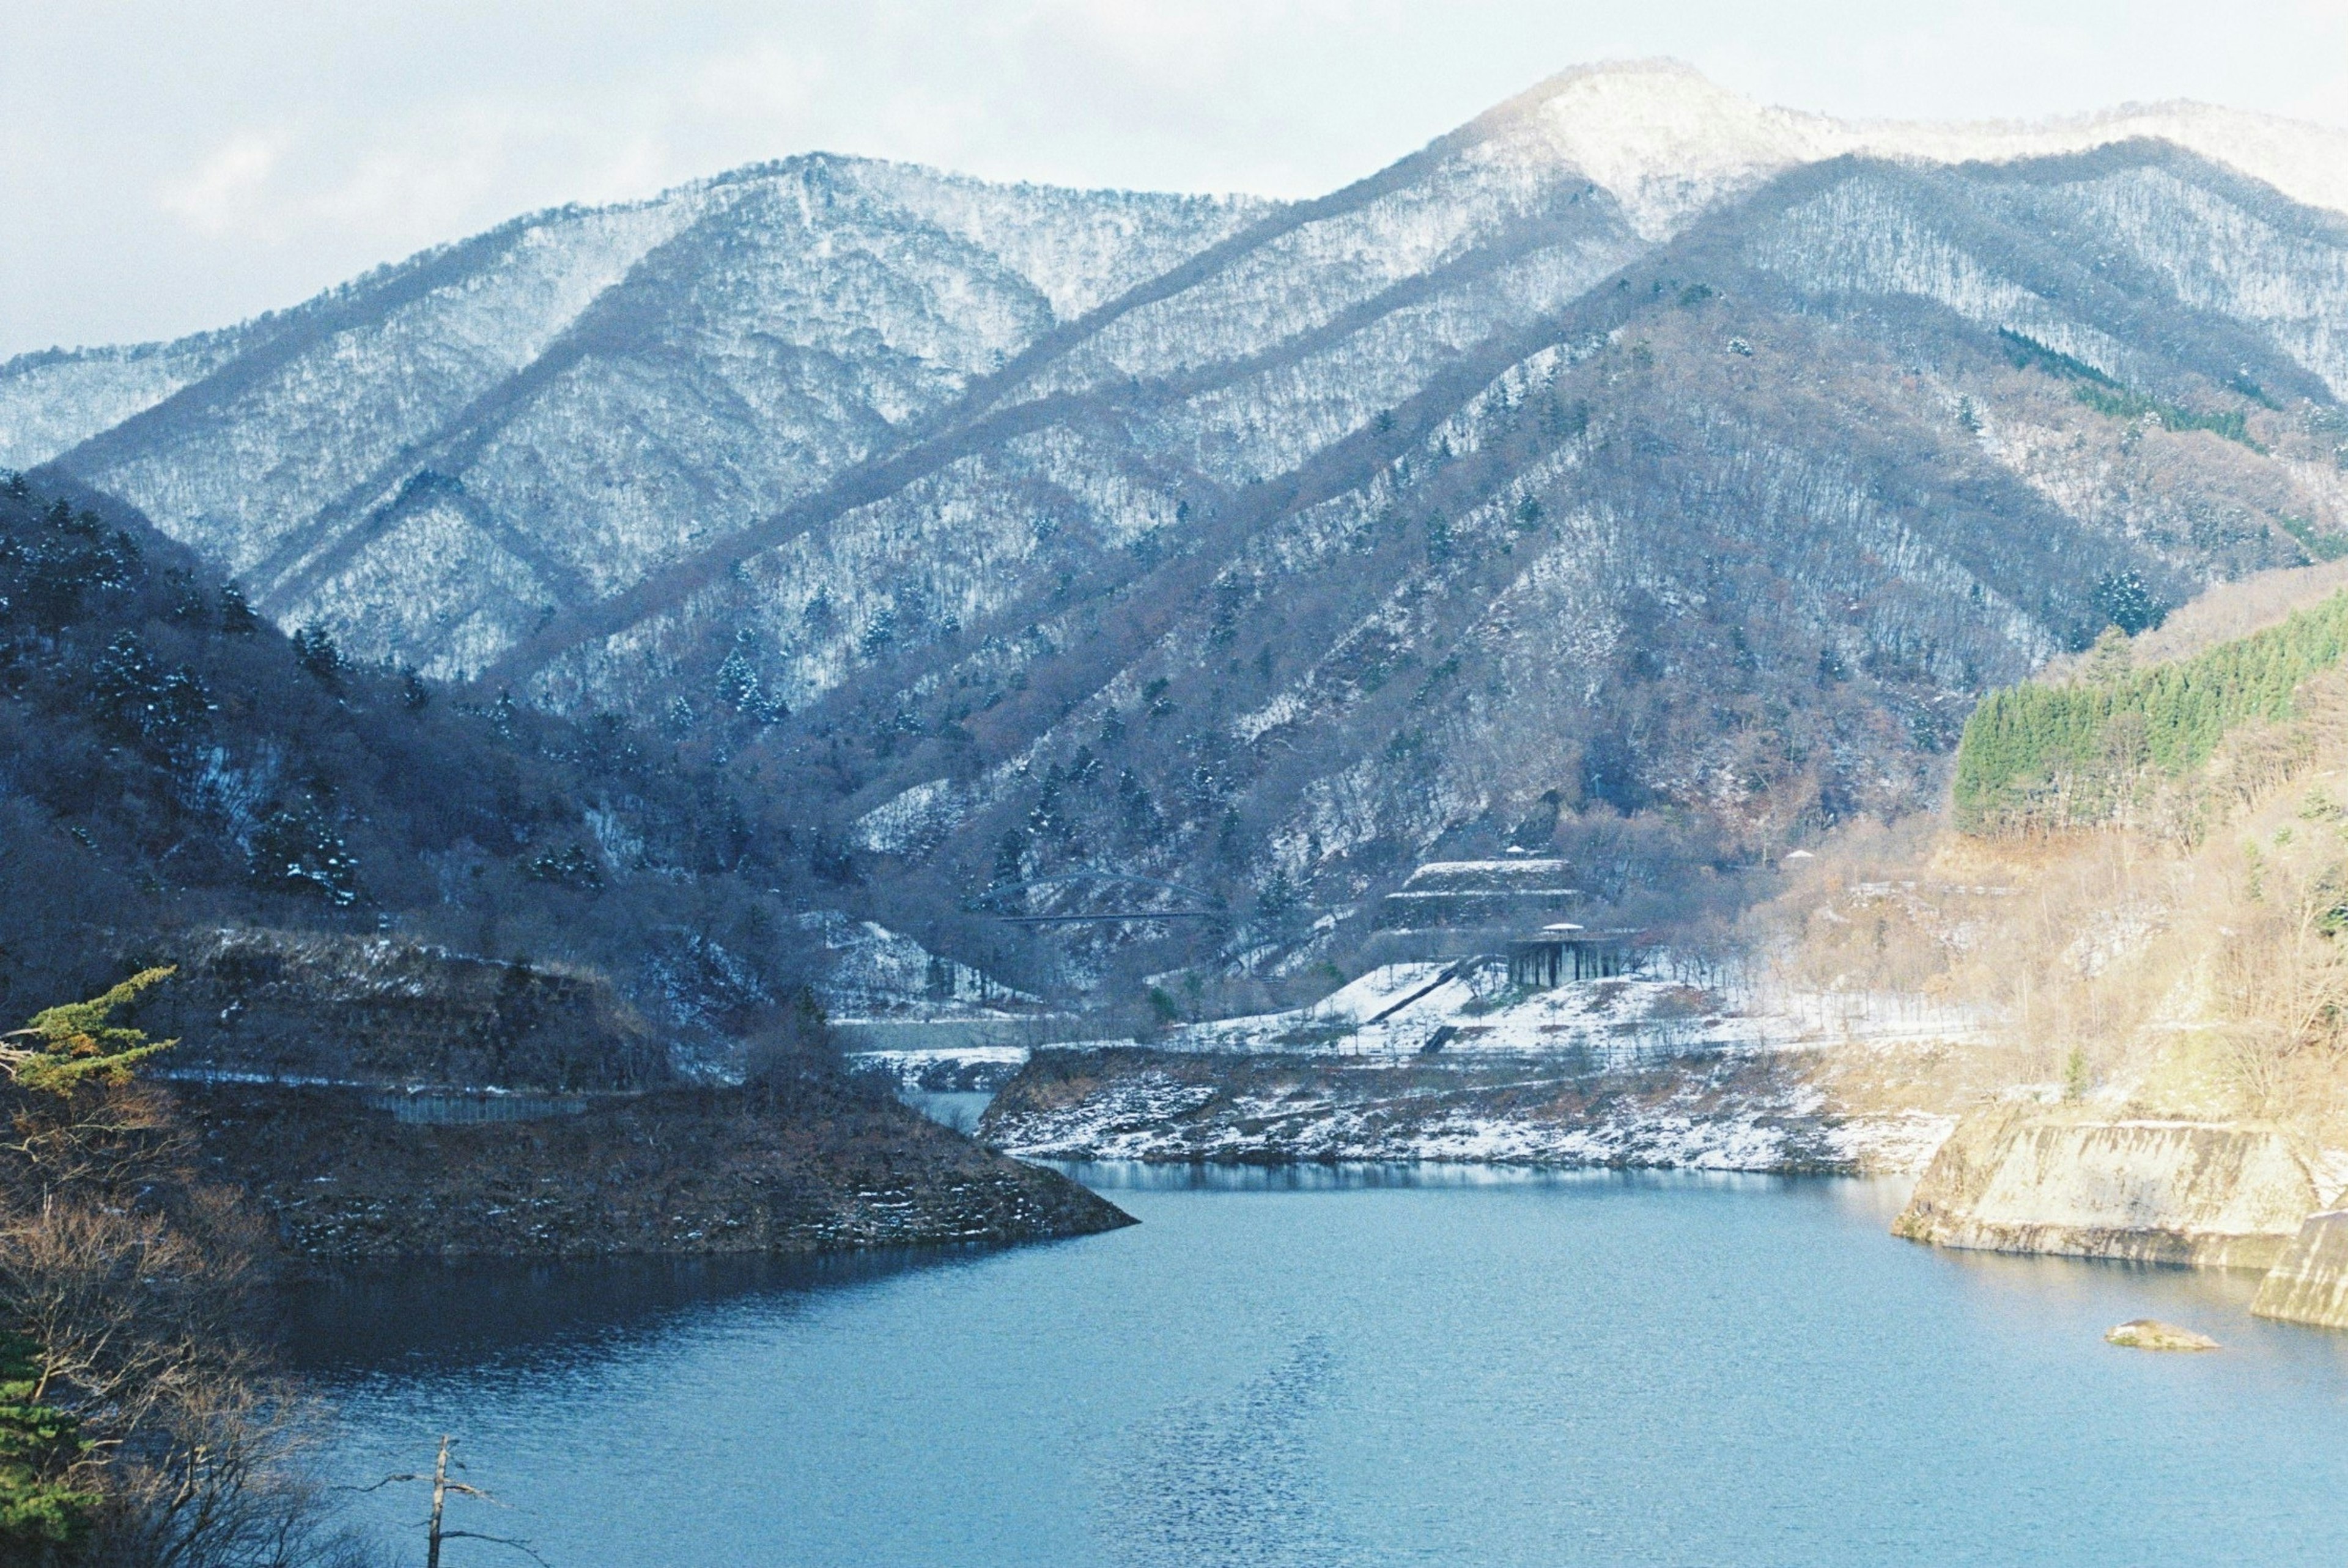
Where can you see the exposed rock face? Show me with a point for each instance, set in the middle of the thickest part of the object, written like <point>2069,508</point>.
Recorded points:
<point>2205,1194</point>
<point>2152,1334</point>
<point>808,1167</point>
<point>2309,1284</point>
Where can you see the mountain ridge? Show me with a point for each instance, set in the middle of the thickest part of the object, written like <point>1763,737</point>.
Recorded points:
<point>2304,160</point>
<point>1324,532</point>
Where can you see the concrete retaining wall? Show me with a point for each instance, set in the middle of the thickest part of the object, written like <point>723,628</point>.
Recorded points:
<point>2209,1194</point>
<point>2310,1284</point>
<point>436,1110</point>
<point>867,1034</point>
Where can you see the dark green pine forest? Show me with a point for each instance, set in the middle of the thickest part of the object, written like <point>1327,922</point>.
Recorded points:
<point>2070,754</point>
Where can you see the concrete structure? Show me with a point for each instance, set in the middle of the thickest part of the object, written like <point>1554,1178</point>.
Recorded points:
<point>1480,894</point>
<point>1562,951</point>
<point>2020,1179</point>
<point>2310,1284</point>
<point>1514,909</point>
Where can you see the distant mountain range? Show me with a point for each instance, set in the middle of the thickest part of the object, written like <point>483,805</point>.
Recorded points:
<point>1637,471</point>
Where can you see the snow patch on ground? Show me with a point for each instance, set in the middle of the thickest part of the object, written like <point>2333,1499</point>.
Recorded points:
<point>1446,1062</point>
<point>944,1070</point>
<point>1711,1115</point>
<point>1401,1010</point>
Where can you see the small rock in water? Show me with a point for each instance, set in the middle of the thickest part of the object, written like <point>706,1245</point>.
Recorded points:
<point>2152,1334</point>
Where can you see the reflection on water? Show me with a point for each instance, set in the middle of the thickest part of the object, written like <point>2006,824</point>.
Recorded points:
<point>1133,1175</point>
<point>1230,1479</point>
<point>1362,1366</point>
<point>456,1314</point>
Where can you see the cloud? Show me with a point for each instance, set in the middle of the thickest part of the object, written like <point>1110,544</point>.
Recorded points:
<point>223,158</point>
<point>770,80</point>
<point>228,188</point>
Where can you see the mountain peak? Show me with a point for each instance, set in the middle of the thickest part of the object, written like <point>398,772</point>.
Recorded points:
<point>1667,140</point>
<point>1663,138</point>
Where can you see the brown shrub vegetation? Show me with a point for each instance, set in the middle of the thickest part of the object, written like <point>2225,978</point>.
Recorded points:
<point>2191,960</point>
<point>129,1285</point>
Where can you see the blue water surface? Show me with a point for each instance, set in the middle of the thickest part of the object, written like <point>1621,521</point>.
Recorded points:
<point>1357,1367</point>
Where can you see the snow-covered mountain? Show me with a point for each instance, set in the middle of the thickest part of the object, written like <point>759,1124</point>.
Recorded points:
<point>403,458</point>
<point>1668,143</point>
<point>1635,467</point>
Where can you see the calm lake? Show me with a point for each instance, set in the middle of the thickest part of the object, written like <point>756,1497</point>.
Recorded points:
<point>1356,1367</point>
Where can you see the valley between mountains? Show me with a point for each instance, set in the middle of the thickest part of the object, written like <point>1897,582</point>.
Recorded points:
<point>648,669</point>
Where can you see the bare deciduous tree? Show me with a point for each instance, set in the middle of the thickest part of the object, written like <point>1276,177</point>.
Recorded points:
<point>134,1280</point>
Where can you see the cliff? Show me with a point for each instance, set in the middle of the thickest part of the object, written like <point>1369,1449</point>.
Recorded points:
<point>2210,1195</point>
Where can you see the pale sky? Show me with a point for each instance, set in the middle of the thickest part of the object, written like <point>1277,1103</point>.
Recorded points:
<point>167,165</point>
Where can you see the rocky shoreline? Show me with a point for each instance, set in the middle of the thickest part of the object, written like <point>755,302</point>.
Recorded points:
<point>2012,1175</point>
<point>2200,1195</point>
<point>805,1167</point>
<point>1723,1110</point>
<point>2309,1284</point>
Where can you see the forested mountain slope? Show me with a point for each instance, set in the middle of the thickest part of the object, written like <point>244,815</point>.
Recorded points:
<point>355,890</point>
<point>1736,535</point>
<point>432,458</point>
<point>182,784</point>
<point>1635,469</point>
<point>2138,895</point>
